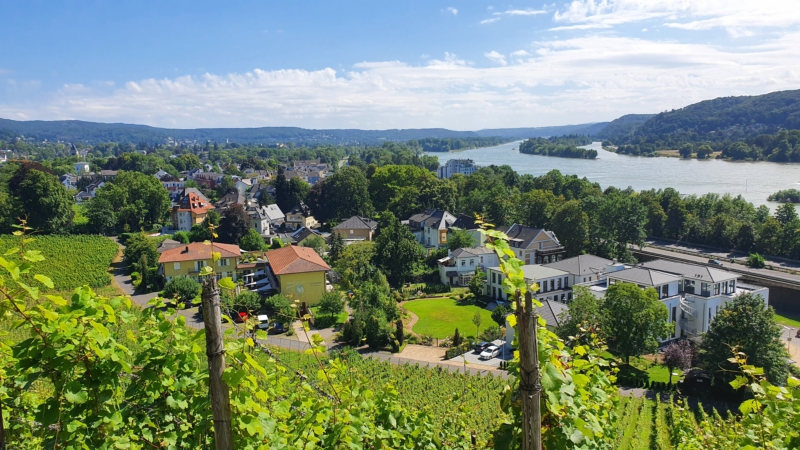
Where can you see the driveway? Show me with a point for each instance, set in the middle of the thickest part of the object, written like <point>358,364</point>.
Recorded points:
<point>792,342</point>
<point>473,359</point>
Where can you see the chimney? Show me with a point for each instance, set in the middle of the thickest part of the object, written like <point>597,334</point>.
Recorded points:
<point>186,250</point>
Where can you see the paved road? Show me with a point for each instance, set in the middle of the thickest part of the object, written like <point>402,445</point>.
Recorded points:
<point>792,342</point>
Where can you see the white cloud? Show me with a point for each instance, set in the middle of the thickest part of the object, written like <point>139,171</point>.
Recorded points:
<point>492,20</point>
<point>490,8</point>
<point>590,78</point>
<point>496,57</point>
<point>524,12</point>
<point>520,53</point>
<point>452,10</point>
<point>685,14</point>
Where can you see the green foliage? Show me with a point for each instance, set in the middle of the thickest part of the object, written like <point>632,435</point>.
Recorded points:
<point>457,338</point>
<point>755,261</point>
<point>134,199</point>
<point>137,246</point>
<point>490,333</point>
<point>336,249</point>
<point>247,301</point>
<point>564,147</point>
<point>181,236</point>
<point>357,259</point>
<point>477,282</point>
<point>70,261</point>
<point>457,238</point>
<point>748,324</point>
<point>282,307</point>
<point>633,319</point>
<point>340,196</point>
<point>499,315</point>
<point>331,303</point>
<point>252,241</point>
<point>44,201</point>
<point>439,317</point>
<point>454,144</point>
<point>582,314</point>
<point>182,289</point>
<point>315,242</point>
<point>396,250</point>
<point>786,195</point>
<point>235,224</point>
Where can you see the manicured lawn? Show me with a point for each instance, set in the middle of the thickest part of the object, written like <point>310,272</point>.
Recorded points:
<point>789,321</point>
<point>641,368</point>
<point>326,321</point>
<point>440,317</point>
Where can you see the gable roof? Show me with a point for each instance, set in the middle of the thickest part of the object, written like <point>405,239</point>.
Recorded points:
<point>303,233</point>
<point>198,251</point>
<point>432,218</point>
<point>582,265</point>
<point>167,244</point>
<point>550,310</point>
<point>230,199</point>
<point>465,222</point>
<point>273,212</point>
<point>522,236</point>
<point>357,223</point>
<point>644,277</point>
<point>191,201</point>
<point>696,272</point>
<point>470,251</point>
<point>292,259</point>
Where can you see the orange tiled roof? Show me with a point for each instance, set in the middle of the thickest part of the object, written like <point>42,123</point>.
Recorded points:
<point>197,251</point>
<point>195,203</point>
<point>293,259</point>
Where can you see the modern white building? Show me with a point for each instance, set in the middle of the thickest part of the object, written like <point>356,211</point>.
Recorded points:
<point>458,268</point>
<point>81,168</point>
<point>453,166</point>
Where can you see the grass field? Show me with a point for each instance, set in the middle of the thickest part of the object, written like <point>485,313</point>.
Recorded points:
<point>70,260</point>
<point>440,317</point>
<point>326,321</point>
<point>789,321</point>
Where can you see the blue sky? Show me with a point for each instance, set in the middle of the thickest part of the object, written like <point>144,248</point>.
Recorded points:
<point>367,64</point>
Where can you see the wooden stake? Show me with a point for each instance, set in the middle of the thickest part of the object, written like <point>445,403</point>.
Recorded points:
<point>215,350</point>
<point>2,429</point>
<point>530,387</point>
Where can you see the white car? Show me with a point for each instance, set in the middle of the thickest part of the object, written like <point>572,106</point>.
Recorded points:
<point>263,322</point>
<point>490,352</point>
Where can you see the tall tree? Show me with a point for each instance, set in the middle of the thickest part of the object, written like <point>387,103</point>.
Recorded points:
<point>786,213</point>
<point>457,238</point>
<point>633,319</point>
<point>283,196</point>
<point>573,227</point>
<point>678,355</point>
<point>234,225</point>
<point>749,325</point>
<point>583,311</point>
<point>622,218</point>
<point>252,241</point>
<point>45,202</point>
<point>396,249</point>
<point>342,195</point>
<point>336,248</point>
<point>138,200</point>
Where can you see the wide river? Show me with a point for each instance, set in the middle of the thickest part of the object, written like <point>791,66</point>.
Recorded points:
<point>755,181</point>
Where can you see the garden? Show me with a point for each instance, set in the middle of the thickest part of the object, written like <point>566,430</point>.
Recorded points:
<point>439,317</point>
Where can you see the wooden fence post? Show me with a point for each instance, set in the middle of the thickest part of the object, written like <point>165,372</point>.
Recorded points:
<point>215,350</point>
<point>529,385</point>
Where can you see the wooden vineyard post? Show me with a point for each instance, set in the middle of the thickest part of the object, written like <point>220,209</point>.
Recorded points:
<point>215,350</point>
<point>529,385</point>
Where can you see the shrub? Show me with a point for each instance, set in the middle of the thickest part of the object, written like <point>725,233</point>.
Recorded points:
<point>755,261</point>
<point>331,303</point>
<point>181,236</point>
<point>491,333</point>
<point>457,350</point>
<point>182,289</point>
<point>247,301</point>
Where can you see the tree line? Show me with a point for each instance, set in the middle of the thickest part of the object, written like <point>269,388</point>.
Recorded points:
<point>563,147</point>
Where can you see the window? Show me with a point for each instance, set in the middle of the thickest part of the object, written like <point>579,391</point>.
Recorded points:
<point>494,280</point>
<point>471,262</point>
<point>176,266</point>
<point>351,231</point>
<point>674,313</point>
<point>222,262</point>
<point>552,285</point>
<point>481,259</point>
<point>463,262</point>
<point>566,282</point>
<point>199,265</point>
<point>540,245</point>
<point>584,279</point>
<point>559,283</point>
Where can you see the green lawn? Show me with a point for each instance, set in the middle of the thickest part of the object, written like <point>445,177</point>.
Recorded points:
<point>641,368</point>
<point>789,321</point>
<point>440,317</point>
<point>326,321</point>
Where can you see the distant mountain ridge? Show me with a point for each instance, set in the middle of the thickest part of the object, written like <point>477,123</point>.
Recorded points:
<point>95,132</point>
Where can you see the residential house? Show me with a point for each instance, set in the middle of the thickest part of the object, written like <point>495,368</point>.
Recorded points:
<point>467,223</point>
<point>187,260</point>
<point>533,245</point>
<point>430,227</point>
<point>90,192</point>
<point>299,273</point>
<point>168,244</point>
<point>356,229</point>
<point>300,216</point>
<point>260,219</point>
<point>243,184</point>
<point>160,174</point>
<point>583,268</point>
<point>551,311</point>
<point>81,167</point>
<point>5,155</point>
<point>190,210</point>
<point>228,200</point>
<point>276,216</point>
<point>173,185</point>
<point>208,179</point>
<point>107,175</point>
<point>69,181</point>
<point>554,284</point>
<point>454,166</point>
<point>302,234</point>
<point>458,268</point>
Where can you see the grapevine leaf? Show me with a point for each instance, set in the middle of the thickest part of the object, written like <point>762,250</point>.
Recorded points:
<point>44,280</point>
<point>227,283</point>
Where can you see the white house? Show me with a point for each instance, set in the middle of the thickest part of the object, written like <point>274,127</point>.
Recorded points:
<point>553,283</point>
<point>458,268</point>
<point>583,268</point>
<point>430,227</point>
<point>533,245</point>
<point>453,166</point>
<point>81,168</point>
<point>260,219</point>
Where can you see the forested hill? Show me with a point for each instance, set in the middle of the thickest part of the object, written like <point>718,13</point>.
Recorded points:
<point>585,129</point>
<point>623,126</point>
<point>93,133</point>
<point>720,119</point>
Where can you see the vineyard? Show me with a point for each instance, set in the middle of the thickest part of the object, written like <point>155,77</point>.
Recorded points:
<point>70,261</point>
<point>436,391</point>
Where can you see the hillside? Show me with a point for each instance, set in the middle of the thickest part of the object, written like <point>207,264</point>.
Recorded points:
<point>93,132</point>
<point>623,126</point>
<point>587,129</point>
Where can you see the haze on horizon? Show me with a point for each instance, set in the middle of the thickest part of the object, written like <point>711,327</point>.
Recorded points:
<point>417,64</point>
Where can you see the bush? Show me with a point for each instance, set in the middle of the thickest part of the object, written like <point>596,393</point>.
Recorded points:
<point>247,301</point>
<point>755,261</point>
<point>282,307</point>
<point>331,303</point>
<point>252,241</point>
<point>182,290</point>
<point>457,350</point>
<point>491,333</point>
<point>181,236</point>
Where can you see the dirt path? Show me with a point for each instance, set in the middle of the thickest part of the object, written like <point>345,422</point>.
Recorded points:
<point>412,320</point>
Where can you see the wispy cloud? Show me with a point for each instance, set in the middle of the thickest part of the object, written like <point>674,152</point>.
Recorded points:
<point>736,16</point>
<point>452,10</point>
<point>590,78</point>
<point>492,20</point>
<point>524,12</point>
<point>520,53</point>
<point>496,57</point>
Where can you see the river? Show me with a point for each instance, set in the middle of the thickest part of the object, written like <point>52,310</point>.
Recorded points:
<point>754,181</point>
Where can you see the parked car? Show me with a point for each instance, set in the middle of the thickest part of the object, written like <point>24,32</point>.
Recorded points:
<point>490,352</point>
<point>481,346</point>
<point>716,262</point>
<point>277,328</point>
<point>263,322</point>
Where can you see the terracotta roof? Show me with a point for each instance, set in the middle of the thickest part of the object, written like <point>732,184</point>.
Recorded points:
<point>293,259</point>
<point>198,251</point>
<point>195,203</point>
